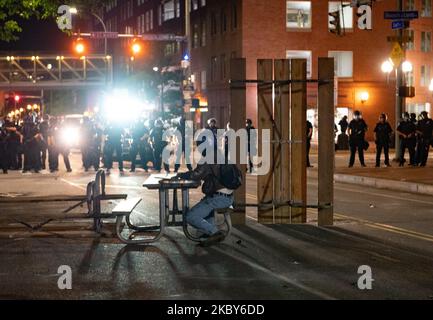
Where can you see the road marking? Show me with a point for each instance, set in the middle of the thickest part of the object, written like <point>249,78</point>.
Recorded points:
<point>376,194</point>
<point>390,228</point>
<point>376,225</point>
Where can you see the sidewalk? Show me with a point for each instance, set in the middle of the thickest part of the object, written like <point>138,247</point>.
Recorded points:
<point>405,179</point>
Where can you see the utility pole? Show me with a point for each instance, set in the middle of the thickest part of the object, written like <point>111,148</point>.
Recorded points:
<point>399,101</point>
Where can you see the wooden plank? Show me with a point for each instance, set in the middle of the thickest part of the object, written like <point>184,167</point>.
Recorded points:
<point>265,121</point>
<point>299,139</point>
<point>282,150</point>
<point>326,141</point>
<point>238,102</point>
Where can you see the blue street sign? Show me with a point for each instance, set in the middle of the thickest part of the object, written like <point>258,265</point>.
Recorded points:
<point>401,15</point>
<point>399,24</point>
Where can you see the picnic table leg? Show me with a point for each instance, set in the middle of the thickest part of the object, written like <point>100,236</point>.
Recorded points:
<point>162,216</point>
<point>185,208</point>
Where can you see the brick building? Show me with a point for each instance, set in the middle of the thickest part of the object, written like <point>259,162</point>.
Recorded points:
<point>256,29</point>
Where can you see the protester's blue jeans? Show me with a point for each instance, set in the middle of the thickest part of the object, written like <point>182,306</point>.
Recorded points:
<point>201,216</point>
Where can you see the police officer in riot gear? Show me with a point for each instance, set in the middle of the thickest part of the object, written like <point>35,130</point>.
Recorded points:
<point>357,130</point>
<point>31,142</point>
<point>181,126</point>
<point>4,157</point>
<point>56,147</point>
<point>139,136</point>
<point>43,129</point>
<point>158,145</point>
<point>89,145</point>
<point>407,132</point>
<point>424,130</point>
<point>13,145</point>
<point>382,134</point>
<point>113,145</point>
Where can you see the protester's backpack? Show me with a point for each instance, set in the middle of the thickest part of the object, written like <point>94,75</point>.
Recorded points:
<point>230,176</point>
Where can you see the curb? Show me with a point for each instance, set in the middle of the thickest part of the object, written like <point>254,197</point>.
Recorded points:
<point>403,186</point>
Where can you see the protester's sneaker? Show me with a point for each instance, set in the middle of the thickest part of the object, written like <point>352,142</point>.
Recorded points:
<point>213,239</point>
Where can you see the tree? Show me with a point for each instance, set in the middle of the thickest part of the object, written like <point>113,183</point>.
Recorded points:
<point>13,11</point>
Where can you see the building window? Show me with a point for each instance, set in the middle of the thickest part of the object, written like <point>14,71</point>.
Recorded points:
<point>343,63</point>
<point>223,18</point>
<point>140,23</point>
<point>409,79</point>
<point>213,68</point>
<point>410,5</point>
<point>168,10</point>
<point>213,24</point>
<point>425,76</point>
<point>346,14</point>
<point>195,37</point>
<point>140,2</point>
<point>160,15</point>
<point>410,44</point>
<point>203,33</point>
<point>203,80</point>
<point>298,14</point>
<point>177,4</point>
<point>129,30</point>
<point>301,54</point>
<point>223,67</point>
<point>202,3</point>
<point>194,4</point>
<point>425,41</point>
<point>234,17</point>
<point>426,8</point>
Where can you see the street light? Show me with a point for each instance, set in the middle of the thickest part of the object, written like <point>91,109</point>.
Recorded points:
<point>406,67</point>
<point>387,66</point>
<point>430,87</point>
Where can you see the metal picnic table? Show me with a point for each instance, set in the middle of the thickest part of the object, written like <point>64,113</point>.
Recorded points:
<point>174,217</point>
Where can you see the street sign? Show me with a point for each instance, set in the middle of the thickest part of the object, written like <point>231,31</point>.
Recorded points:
<point>102,35</point>
<point>403,39</point>
<point>401,15</point>
<point>399,24</point>
<point>162,37</point>
<point>397,54</point>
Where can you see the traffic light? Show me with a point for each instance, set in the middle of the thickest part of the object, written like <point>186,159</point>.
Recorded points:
<point>17,98</point>
<point>80,46</point>
<point>335,22</point>
<point>136,47</point>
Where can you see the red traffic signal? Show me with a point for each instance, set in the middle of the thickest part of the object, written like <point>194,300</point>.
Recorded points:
<point>17,98</point>
<point>80,46</point>
<point>136,47</point>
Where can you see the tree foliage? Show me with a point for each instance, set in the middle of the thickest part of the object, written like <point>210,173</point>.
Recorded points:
<point>14,11</point>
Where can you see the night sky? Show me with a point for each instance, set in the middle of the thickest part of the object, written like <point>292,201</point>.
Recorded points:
<point>38,36</point>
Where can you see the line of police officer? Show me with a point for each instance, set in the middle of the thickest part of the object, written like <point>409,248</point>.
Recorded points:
<point>32,140</point>
<point>415,136</point>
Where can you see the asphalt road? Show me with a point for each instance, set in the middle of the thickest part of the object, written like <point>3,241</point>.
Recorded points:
<point>388,231</point>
